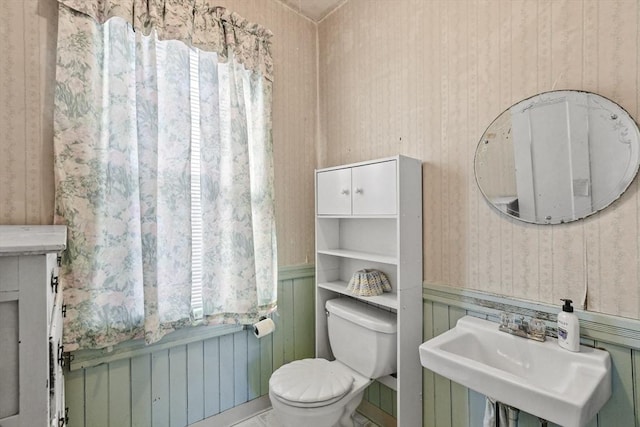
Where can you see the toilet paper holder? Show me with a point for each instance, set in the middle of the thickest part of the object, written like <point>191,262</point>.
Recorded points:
<point>263,327</point>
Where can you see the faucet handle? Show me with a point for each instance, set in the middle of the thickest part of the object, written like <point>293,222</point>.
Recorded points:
<point>537,327</point>
<point>504,318</point>
<point>507,320</point>
<point>522,322</point>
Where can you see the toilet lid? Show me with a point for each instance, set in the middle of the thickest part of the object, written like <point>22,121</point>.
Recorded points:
<point>311,382</point>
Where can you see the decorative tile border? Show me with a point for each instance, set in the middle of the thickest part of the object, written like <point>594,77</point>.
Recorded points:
<point>594,326</point>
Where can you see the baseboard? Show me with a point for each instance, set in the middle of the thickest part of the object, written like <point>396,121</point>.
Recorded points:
<point>376,415</point>
<point>236,414</point>
<point>247,410</point>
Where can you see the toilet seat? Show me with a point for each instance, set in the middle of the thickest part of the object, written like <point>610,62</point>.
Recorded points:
<point>311,383</point>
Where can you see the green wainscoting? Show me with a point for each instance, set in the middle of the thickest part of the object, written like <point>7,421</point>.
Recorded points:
<point>447,404</point>
<point>382,397</point>
<point>180,382</point>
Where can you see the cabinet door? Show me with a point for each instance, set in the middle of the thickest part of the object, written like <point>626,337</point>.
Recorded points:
<point>374,189</point>
<point>56,364</point>
<point>53,286</point>
<point>334,192</point>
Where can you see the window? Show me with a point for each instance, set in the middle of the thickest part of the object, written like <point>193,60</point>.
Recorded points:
<point>165,177</point>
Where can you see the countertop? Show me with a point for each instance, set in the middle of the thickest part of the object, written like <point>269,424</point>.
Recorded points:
<point>32,239</point>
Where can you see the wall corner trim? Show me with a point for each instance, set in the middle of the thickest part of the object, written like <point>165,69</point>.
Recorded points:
<point>296,271</point>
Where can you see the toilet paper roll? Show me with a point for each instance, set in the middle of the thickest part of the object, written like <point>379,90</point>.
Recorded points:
<point>263,327</point>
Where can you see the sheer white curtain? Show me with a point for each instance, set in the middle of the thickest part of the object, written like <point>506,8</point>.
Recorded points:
<point>164,175</point>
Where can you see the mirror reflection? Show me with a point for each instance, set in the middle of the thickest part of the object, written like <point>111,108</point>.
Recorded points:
<point>557,157</point>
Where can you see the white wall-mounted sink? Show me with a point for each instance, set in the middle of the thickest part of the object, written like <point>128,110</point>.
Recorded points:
<point>540,378</point>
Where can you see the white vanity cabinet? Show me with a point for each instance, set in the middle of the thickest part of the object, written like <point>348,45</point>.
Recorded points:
<point>369,215</point>
<point>31,314</point>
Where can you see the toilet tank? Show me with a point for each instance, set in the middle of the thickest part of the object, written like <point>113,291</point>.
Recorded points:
<point>362,336</point>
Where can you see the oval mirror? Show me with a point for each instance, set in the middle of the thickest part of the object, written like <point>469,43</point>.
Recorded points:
<point>557,157</point>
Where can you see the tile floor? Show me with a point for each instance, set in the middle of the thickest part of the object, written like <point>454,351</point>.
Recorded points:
<point>268,419</point>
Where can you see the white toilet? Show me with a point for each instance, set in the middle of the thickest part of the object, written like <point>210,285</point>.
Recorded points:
<point>322,393</point>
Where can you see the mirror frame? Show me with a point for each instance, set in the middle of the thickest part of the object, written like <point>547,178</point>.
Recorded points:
<point>627,179</point>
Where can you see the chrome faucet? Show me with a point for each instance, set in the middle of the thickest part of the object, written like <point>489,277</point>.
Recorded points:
<point>526,327</point>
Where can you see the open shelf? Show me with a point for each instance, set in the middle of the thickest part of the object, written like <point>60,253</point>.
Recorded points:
<point>388,299</point>
<point>369,216</point>
<point>366,256</point>
<point>320,217</point>
<point>390,381</point>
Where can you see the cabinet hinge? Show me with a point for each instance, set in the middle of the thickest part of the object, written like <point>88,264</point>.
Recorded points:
<point>64,310</point>
<point>59,260</point>
<point>67,358</point>
<point>63,421</point>
<point>61,355</point>
<point>54,283</point>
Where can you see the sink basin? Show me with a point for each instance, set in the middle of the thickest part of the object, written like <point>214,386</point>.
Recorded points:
<point>540,378</point>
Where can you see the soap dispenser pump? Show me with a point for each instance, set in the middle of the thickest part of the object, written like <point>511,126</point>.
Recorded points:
<point>568,327</point>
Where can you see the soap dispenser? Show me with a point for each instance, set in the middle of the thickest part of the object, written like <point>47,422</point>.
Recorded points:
<point>568,327</point>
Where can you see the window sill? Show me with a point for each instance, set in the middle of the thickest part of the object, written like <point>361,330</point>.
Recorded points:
<point>89,358</point>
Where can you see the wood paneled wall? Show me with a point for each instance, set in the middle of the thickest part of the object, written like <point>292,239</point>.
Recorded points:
<point>383,398</point>
<point>28,32</point>
<point>184,384</point>
<point>424,78</point>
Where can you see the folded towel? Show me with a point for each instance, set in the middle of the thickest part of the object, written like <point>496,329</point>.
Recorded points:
<point>489,413</point>
<point>490,416</point>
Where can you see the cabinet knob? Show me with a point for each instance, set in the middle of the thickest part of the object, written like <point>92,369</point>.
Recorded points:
<point>345,192</point>
<point>359,191</point>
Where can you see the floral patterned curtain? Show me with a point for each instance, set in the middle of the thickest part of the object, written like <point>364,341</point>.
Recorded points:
<point>196,22</point>
<point>124,163</point>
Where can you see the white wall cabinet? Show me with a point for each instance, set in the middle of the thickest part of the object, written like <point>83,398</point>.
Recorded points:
<point>369,215</point>
<point>360,190</point>
<point>31,312</point>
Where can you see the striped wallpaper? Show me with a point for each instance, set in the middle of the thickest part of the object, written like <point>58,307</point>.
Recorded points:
<point>417,77</point>
<point>28,31</point>
<point>424,78</point>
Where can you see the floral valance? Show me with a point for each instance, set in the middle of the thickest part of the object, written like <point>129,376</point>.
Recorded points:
<point>195,22</point>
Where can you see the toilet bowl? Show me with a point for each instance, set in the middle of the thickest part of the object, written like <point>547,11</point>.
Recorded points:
<point>322,393</point>
<point>316,393</point>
